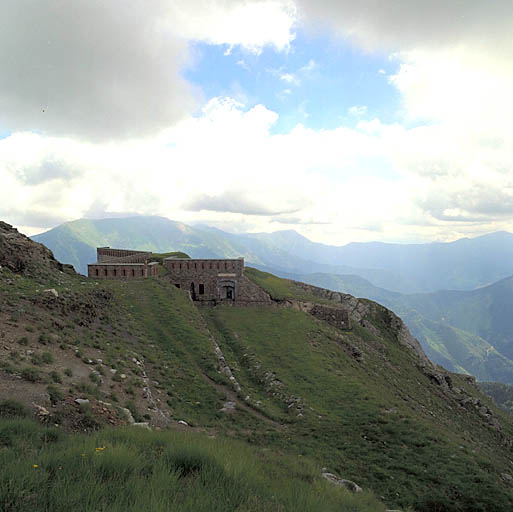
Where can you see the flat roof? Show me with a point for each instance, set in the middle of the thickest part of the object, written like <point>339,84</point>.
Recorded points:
<point>204,259</point>
<point>114,264</point>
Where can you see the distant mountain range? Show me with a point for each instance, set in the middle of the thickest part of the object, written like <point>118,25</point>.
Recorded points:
<point>456,297</point>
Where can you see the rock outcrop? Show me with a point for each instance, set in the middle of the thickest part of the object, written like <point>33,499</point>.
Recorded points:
<point>21,255</point>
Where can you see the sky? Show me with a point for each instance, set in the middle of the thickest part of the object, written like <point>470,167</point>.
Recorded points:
<point>388,120</point>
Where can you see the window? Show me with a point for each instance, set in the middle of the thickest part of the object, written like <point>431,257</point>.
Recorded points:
<point>202,266</point>
<point>114,272</point>
<point>177,285</point>
<point>124,272</point>
<point>211,266</point>
<point>105,271</point>
<point>97,272</point>
<point>225,265</point>
<point>133,273</point>
<point>195,265</point>
<point>142,272</point>
<point>201,289</point>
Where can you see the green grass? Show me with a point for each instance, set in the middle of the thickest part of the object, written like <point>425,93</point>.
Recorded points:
<point>159,257</point>
<point>134,470</point>
<point>413,458</point>
<point>278,288</point>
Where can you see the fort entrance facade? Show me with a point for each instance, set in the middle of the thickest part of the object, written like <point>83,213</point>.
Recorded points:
<point>207,281</point>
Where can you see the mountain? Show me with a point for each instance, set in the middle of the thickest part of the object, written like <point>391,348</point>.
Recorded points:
<point>461,265</point>
<point>259,408</point>
<point>454,341</point>
<point>75,243</point>
<point>407,268</point>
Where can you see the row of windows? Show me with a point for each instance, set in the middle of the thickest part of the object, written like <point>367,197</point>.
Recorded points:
<point>124,272</point>
<point>203,265</point>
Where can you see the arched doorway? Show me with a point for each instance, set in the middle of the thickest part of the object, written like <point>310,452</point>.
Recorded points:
<point>227,290</point>
<point>193,292</point>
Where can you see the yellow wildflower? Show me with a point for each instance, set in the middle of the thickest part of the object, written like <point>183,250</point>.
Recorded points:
<point>35,465</point>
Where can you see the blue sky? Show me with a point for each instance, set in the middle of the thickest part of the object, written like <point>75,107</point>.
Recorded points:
<point>315,83</point>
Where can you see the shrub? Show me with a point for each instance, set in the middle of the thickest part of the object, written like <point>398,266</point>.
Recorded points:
<point>44,339</point>
<point>56,394</point>
<point>23,341</point>
<point>68,372</point>
<point>54,375</point>
<point>130,405</point>
<point>47,357</point>
<point>13,409</point>
<point>30,374</point>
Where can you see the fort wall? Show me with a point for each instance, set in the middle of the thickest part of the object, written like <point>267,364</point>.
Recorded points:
<point>123,271</point>
<point>213,281</point>
<point>108,255</point>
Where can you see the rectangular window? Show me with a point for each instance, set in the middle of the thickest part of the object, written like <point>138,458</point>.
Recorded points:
<point>124,272</point>
<point>114,272</point>
<point>97,272</point>
<point>201,289</point>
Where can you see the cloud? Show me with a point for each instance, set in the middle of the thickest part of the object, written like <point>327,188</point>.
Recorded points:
<point>234,201</point>
<point>357,110</point>
<point>252,24</point>
<point>477,202</point>
<point>100,70</point>
<point>407,24</point>
<point>50,168</point>
<point>290,78</point>
<point>299,221</point>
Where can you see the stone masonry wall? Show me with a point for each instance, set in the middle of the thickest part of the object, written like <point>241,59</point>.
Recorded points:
<point>127,271</point>
<point>206,276</point>
<point>108,255</point>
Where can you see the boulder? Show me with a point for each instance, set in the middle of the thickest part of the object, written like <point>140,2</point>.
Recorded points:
<point>341,482</point>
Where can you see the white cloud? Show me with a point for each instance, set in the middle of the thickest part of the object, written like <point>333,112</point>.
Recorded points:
<point>290,78</point>
<point>357,110</point>
<point>251,24</point>
<point>94,70</point>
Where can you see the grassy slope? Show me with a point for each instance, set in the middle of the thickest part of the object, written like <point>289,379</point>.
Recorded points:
<point>380,422</point>
<point>135,470</point>
<point>414,455</point>
<point>457,329</point>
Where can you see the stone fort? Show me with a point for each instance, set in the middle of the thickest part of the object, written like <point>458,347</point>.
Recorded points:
<point>208,281</point>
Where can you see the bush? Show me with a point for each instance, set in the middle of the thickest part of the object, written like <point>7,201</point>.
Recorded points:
<point>54,375</point>
<point>23,341</point>
<point>13,409</point>
<point>46,357</point>
<point>68,372</point>
<point>44,339</point>
<point>56,394</point>
<point>30,374</point>
<point>130,405</point>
